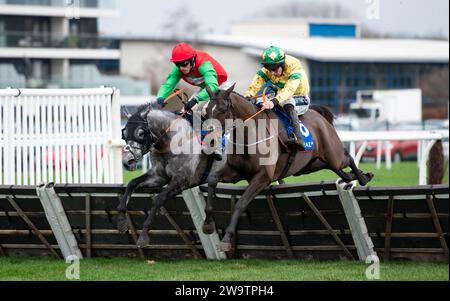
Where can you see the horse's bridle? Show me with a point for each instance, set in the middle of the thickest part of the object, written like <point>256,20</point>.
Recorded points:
<point>147,141</point>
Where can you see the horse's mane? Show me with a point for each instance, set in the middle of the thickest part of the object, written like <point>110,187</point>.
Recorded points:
<point>159,115</point>
<point>239,94</point>
<point>143,107</point>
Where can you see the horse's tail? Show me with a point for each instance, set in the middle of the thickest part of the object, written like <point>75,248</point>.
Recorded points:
<point>325,112</point>
<point>436,164</point>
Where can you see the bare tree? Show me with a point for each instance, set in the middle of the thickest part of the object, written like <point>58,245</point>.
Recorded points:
<point>435,91</point>
<point>307,9</point>
<point>181,25</point>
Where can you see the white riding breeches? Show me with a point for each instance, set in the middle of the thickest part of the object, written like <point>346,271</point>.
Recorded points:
<point>300,103</point>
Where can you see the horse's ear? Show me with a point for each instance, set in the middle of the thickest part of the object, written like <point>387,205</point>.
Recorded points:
<point>125,112</point>
<point>228,92</point>
<point>210,92</point>
<point>145,112</point>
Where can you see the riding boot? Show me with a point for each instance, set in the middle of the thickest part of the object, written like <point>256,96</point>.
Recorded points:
<point>296,139</point>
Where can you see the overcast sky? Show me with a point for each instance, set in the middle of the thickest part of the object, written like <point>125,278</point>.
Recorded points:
<point>399,17</point>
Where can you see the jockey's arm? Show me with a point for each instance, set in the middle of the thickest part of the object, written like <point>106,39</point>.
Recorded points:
<point>210,77</point>
<point>171,81</point>
<point>290,87</point>
<point>258,81</point>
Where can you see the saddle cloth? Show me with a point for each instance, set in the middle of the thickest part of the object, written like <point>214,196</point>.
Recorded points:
<point>304,131</point>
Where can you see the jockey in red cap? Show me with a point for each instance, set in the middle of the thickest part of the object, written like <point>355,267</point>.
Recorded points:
<point>196,68</point>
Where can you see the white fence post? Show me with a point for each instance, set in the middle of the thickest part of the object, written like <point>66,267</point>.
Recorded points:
<point>8,147</point>
<point>424,161</point>
<point>117,171</point>
<point>379,153</point>
<point>388,155</point>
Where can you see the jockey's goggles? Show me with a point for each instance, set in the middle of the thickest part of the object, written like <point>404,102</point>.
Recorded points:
<point>183,63</point>
<point>272,67</point>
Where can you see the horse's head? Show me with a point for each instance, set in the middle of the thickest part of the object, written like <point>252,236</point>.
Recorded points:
<point>220,105</point>
<point>138,138</point>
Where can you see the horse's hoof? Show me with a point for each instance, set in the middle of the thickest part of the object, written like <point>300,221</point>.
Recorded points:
<point>143,242</point>
<point>209,229</point>
<point>367,178</point>
<point>122,224</point>
<point>224,247</point>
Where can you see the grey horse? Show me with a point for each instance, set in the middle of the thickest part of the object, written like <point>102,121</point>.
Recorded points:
<point>172,169</point>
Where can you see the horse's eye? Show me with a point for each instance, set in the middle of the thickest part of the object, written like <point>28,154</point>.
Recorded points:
<point>140,134</point>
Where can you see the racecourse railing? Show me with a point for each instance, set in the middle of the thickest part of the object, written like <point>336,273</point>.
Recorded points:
<point>61,135</point>
<point>426,141</point>
<point>307,221</point>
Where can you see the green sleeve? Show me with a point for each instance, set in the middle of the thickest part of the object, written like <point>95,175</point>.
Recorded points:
<point>171,81</point>
<point>210,76</point>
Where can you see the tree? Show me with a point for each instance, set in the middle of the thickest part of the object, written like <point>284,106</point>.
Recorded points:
<point>181,25</point>
<point>435,92</point>
<point>294,9</point>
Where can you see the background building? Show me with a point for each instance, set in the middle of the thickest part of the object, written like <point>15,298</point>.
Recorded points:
<point>338,62</point>
<point>55,44</point>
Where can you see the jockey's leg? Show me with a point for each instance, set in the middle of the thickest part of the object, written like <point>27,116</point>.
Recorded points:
<point>296,139</point>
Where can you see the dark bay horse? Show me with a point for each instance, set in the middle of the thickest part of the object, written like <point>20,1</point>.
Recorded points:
<point>329,153</point>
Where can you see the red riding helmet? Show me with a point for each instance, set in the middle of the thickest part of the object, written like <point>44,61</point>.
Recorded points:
<point>182,52</point>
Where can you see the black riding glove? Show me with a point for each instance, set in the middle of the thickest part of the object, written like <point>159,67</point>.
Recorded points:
<point>190,104</point>
<point>160,101</point>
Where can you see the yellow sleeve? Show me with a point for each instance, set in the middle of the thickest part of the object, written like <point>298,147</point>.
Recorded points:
<point>289,90</point>
<point>258,81</point>
<point>294,81</point>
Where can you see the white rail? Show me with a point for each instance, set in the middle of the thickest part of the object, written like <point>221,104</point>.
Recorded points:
<point>61,136</point>
<point>426,139</point>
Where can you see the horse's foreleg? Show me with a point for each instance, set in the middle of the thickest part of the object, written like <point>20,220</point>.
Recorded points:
<point>256,185</point>
<point>122,223</point>
<point>175,186</point>
<point>209,226</point>
<point>149,179</point>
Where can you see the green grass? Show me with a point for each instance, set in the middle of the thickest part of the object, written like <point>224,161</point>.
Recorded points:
<point>401,174</point>
<point>14,268</point>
